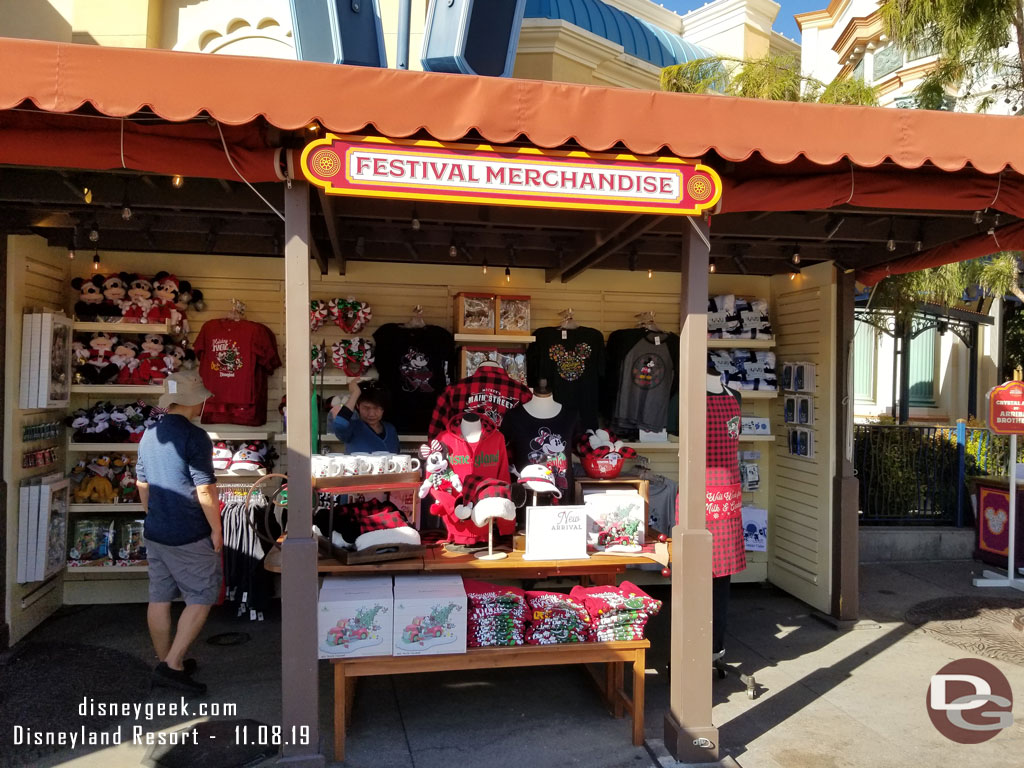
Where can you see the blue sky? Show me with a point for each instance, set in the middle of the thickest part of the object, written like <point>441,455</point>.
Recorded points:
<point>783,23</point>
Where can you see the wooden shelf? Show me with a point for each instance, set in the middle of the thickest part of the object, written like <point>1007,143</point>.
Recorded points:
<point>117,389</point>
<point>473,338</point>
<point>758,394</point>
<point>283,436</point>
<point>740,343</point>
<point>671,445</point>
<point>102,447</point>
<point>101,509</point>
<point>757,438</point>
<point>339,379</point>
<point>239,432</point>
<point>87,572</point>
<point>240,475</point>
<point>80,325</point>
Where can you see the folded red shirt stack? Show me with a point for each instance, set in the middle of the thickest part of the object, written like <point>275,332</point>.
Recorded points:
<point>553,617</point>
<point>617,613</point>
<point>497,614</point>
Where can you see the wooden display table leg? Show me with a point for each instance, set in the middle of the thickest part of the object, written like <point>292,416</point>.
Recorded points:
<point>341,706</point>
<point>638,703</point>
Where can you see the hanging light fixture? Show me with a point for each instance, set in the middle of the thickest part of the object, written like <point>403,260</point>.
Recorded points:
<point>453,249</point>
<point>796,255</point>
<point>177,181</point>
<point>71,247</point>
<point>96,261</point>
<point>890,243</point>
<point>650,273</point>
<point>711,267</point>
<point>485,266</point>
<point>415,223</point>
<point>793,272</point>
<point>508,275</point>
<point>977,217</point>
<point>313,127</point>
<point>126,206</point>
<point>94,232</point>
<point>87,195</point>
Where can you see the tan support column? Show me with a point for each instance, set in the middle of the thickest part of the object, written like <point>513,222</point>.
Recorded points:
<point>299,684</point>
<point>845,491</point>
<point>689,735</point>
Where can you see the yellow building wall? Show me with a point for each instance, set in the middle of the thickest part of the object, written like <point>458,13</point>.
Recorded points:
<point>50,20</point>
<point>118,23</point>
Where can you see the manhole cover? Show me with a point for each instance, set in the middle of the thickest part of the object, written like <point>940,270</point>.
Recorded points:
<point>982,626</point>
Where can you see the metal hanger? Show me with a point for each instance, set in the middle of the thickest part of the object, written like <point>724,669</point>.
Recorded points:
<point>646,320</point>
<point>237,310</point>
<point>568,323</point>
<point>416,321</point>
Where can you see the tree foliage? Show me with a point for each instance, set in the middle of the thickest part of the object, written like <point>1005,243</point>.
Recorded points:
<point>773,77</point>
<point>980,45</point>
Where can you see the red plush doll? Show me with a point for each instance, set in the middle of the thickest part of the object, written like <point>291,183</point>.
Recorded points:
<point>152,367</point>
<point>442,483</point>
<point>136,307</point>
<point>165,298</point>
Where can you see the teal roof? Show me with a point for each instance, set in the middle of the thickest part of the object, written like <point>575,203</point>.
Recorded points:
<point>638,37</point>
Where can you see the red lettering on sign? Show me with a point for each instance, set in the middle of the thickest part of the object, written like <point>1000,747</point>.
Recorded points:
<point>362,163</point>
<point>532,177</point>
<point>458,173</point>
<point>587,180</point>
<point>625,183</point>
<point>380,166</point>
<point>606,181</point>
<point>495,175</point>
<point>568,178</point>
<point>666,186</point>
<point>413,165</point>
<point>650,184</point>
<point>397,168</point>
<point>515,176</point>
<point>548,182</point>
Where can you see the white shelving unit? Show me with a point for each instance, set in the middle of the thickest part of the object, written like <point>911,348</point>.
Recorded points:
<point>417,439</point>
<point>741,343</point>
<point>758,394</point>
<point>757,438</point>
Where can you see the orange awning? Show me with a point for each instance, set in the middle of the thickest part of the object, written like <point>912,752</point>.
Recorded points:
<point>120,82</point>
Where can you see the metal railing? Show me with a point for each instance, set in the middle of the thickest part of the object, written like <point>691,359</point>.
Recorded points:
<point>915,475</point>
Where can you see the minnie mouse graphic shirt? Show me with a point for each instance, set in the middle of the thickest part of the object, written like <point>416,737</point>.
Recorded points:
<point>547,442</point>
<point>571,359</point>
<point>414,365</point>
<point>235,359</point>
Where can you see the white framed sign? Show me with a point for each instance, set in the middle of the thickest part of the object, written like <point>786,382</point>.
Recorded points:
<point>556,533</point>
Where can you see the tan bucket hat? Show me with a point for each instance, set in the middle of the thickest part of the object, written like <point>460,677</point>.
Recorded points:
<point>184,388</point>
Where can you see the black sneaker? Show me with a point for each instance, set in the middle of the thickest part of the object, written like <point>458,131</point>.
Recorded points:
<point>178,679</point>
<point>191,666</point>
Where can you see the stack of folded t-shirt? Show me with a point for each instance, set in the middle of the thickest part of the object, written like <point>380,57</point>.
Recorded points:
<point>617,613</point>
<point>730,317</point>
<point>497,614</point>
<point>556,618</point>
<point>746,369</point>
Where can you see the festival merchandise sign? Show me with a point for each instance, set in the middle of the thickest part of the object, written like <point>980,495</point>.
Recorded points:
<point>376,166</point>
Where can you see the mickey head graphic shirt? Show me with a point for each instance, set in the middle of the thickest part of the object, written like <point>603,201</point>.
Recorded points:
<point>571,359</point>
<point>645,385</point>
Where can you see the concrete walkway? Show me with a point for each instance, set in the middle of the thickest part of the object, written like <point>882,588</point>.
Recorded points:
<point>827,699</point>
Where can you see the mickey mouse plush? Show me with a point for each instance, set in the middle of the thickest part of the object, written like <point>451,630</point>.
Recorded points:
<point>139,300</point>
<point>165,298</point>
<point>90,297</point>
<point>115,290</point>
<point>99,368</point>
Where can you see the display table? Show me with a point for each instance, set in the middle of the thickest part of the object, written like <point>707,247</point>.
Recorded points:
<point>993,540</point>
<point>597,569</point>
<point>612,654</point>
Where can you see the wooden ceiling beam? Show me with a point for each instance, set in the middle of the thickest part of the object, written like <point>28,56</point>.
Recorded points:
<point>616,240</point>
<point>331,222</point>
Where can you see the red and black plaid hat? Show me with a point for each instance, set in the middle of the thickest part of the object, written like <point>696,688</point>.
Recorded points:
<point>382,523</point>
<point>476,488</point>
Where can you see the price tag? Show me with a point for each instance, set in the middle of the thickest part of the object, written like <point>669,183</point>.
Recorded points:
<point>565,334</point>
<point>657,341</point>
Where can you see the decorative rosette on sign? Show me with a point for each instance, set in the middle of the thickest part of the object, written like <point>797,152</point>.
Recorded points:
<point>317,314</point>
<point>350,314</point>
<point>318,358</point>
<point>602,453</point>
<point>353,356</point>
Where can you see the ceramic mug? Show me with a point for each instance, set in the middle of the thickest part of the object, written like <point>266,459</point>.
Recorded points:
<point>353,464</point>
<point>378,463</point>
<point>401,462</point>
<point>320,465</point>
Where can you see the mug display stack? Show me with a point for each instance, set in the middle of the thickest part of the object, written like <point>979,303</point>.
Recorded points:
<point>363,464</point>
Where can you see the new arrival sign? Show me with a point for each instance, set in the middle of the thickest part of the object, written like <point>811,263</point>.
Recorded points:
<point>374,166</point>
<point>1006,408</point>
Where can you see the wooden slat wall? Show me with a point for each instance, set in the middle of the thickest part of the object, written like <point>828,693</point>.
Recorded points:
<point>799,539</point>
<point>37,276</point>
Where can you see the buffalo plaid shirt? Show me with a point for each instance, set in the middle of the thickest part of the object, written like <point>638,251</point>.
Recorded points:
<point>489,392</point>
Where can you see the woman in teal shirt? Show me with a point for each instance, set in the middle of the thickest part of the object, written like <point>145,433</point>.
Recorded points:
<point>364,430</point>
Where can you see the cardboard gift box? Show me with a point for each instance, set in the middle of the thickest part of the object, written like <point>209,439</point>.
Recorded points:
<point>475,313</point>
<point>430,615</point>
<point>355,617</point>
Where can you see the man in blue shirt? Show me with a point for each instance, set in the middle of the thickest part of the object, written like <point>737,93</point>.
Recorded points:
<point>183,531</point>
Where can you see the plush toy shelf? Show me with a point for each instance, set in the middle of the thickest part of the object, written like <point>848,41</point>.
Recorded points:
<point>117,389</point>
<point>103,447</point>
<point>92,327</point>
<point>100,509</point>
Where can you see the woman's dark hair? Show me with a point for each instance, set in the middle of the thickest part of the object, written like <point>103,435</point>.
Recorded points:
<point>373,393</point>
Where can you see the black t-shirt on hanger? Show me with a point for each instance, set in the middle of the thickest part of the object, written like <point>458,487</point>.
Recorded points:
<point>415,365</point>
<point>548,442</point>
<point>573,362</point>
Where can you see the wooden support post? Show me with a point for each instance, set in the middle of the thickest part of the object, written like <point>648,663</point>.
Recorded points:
<point>299,688</point>
<point>689,735</point>
<point>639,681</point>
<point>845,491</point>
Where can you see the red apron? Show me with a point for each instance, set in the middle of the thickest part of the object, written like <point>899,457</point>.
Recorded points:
<point>723,509</point>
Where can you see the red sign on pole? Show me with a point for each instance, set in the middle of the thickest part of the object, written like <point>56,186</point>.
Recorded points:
<point>1006,408</point>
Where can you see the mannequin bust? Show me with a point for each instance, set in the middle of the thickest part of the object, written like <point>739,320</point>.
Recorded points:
<point>715,385</point>
<point>543,405</point>
<point>471,428</point>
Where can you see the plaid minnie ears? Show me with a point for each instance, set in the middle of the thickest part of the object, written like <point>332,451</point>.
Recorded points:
<point>600,443</point>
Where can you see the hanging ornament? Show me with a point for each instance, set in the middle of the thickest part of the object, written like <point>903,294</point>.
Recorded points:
<point>317,314</point>
<point>318,358</point>
<point>353,356</point>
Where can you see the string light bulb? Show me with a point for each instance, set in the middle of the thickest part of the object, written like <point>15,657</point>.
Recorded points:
<point>796,255</point>
<point>508,275</point>
<point>94,233</point>
<point>485,266</point>
<point>313,127</point>
<point>96,261</point>
<point>793,272</point>
<point>177,180</point>
<point>650,273</point>
<point>415,223</point>
<point>711,267</point>
<point>87,195</point>
<point>126,207</point>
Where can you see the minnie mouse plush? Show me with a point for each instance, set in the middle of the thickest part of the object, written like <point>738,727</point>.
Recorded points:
<point>165,298</point>
<point>441,482</point>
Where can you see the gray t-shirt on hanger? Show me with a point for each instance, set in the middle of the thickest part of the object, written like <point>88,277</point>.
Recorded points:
<point>645,386</point>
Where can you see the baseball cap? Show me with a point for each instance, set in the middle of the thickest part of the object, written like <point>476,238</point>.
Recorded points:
<point>184,388</point>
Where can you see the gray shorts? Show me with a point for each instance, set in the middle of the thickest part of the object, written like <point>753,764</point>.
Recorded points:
<point>192,571</point>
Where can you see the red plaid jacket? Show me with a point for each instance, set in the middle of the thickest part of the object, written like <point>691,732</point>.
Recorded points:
<point>489,392</point>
